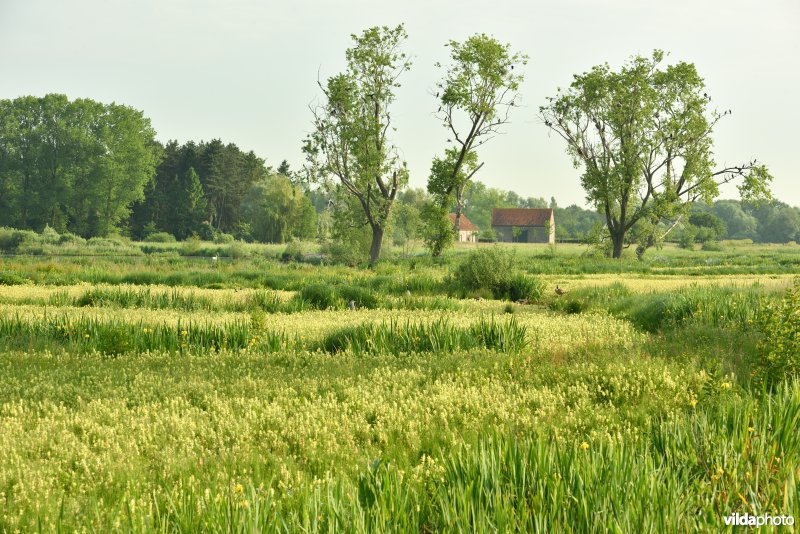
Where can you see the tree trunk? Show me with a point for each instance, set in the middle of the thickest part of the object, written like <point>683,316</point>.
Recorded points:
<point>377,241</point>
<point>618,240</point>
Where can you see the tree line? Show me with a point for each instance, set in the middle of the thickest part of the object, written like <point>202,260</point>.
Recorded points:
<point>641,136</point>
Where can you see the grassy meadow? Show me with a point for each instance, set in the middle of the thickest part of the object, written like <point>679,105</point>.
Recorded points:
<point>227,388</point>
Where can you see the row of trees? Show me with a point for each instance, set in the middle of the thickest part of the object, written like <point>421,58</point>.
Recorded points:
<point>89,168</point>
<point>641,135</point>
<point>214,188</point>
<point>772,222</point>
<point>72,165</point>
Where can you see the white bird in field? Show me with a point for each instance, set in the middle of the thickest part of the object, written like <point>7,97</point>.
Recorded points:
<point>214,258</point>
<point>559,291</point>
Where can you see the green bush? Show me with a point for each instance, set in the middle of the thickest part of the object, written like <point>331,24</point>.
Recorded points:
<point>712,246</point>
<point>486,268</point>
<point>11,279</point>
<point>11,239</point>
<point>50,236</point>
<point>221,238</point>
<point>292,252</point>
<point>68,238</point>
<point>160,237</point>
<point>523,287</point>
<point>236,250</point>
<point>190,247</point>
<point>779,350</point>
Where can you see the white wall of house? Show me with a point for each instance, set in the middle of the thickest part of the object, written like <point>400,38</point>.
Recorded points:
<point>467,236</point>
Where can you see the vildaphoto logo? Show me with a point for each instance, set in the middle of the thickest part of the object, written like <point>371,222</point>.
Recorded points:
<point>747,520</point>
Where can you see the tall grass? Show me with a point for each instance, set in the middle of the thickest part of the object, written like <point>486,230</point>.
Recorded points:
<point>438,336</point>
<point>686,475</point>
<point>117,336</point>
<point>712,306</point>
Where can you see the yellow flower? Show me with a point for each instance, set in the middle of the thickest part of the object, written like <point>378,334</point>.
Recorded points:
<point>184,333</point>
<point>726,385</point>
<point>584,446</point>
<point>750,429</point>
<point>86,336</point>
<point>693,403</point>
<point>239,489</point>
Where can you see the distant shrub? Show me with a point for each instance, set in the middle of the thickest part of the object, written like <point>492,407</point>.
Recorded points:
<point>8,239</point>
<point>487,268</point>
<point>107,242</point>
<point>343,253</point>
<point>223,238</point>
<point>11,279</point>
<point>190,247</point>
<point>11,240</point>
<point>792,243</point>
<point>68,238</point>
<point>160,237</point>
<point>236,250</point>
<point>50,236</point>
<point>487,236</point>
<point>712,246</point>
<point>687,238</point>
<point>779,350</point>
<point>292,252</point>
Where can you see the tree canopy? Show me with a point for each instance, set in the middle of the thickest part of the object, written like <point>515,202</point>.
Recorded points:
<point>479,89</point>
<point>72,165</point>
<point>643,136</point>
<point>350,142</point>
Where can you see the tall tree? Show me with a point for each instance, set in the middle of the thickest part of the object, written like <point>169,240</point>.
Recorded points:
<point>643,137</point>
<point>278,211</point>
<point>476,95</point>
<point>73,165</point>
<point>350,141</point>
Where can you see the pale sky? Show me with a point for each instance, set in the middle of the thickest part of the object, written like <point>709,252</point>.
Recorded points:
<point>245,71</point>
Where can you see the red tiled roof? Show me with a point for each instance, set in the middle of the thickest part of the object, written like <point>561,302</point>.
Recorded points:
<point>466,224</point>
<point>521,216</point>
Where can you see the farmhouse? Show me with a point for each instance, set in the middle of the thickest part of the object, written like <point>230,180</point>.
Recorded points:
<point>468,232</point>
<point>524,225</point>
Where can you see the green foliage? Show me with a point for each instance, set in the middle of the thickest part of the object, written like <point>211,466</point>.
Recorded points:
<point>687,237</point>
<point>779,350</point>
<point>486,268</point>
<point>350,139</point>
<point>613,121</point>
<point>160,237</point>
<point>190,247</point>
<point>292,252</point>
<point>438,337</point>
<point>479,88</point>
<point>278,211</point>
<point>322,297</point>
<point>438,232</point>
<point>712,246</point>
<point>72,165</point>
<point>525,287</point>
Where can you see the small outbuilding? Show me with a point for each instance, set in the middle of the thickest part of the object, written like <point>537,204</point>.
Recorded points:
<point>468,232</point>
<point>524,225</point>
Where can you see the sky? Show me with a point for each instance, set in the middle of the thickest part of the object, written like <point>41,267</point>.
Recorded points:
<point>245,71</point>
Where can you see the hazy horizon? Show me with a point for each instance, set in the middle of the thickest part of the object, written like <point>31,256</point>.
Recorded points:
<point>246,71</point>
